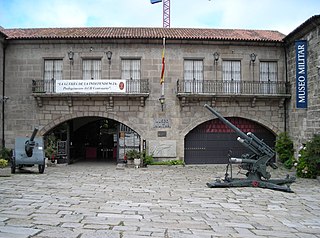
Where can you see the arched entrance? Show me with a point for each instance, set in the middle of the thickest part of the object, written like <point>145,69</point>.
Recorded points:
<point>210,142</point>
<point>90,138</point>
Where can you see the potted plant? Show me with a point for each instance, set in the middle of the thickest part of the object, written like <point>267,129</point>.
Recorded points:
<point>5,170</point>
<point>50,148</point>
<point>133,157</point>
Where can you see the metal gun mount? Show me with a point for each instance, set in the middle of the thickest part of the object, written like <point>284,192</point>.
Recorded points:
<point>28,152</point>
<point>255,163</point>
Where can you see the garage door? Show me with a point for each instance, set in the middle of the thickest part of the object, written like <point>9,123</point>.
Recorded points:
<point>210,142</point>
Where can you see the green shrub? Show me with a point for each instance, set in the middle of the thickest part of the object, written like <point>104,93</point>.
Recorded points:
<point>284,149</point>
<point>5,153</point>
<point>148,159</point>
<point>169,162</point>
<point>309,159</point>
<point>133,154</point>
<point>3,163</point>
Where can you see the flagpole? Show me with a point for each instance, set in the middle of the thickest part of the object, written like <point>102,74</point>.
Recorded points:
<point>162,98</point>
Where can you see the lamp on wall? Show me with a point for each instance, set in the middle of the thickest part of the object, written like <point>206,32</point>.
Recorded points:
<point>216,56</point>
<point>318,67</point>
<point>109,56</point>
<point>70,55</point>
<point>162,100</point>
<point>253,57</point>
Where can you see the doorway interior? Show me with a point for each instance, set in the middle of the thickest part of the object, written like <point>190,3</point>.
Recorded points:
<point>90,139</point>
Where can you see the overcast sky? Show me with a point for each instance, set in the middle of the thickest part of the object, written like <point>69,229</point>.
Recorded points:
<point>281,15</point>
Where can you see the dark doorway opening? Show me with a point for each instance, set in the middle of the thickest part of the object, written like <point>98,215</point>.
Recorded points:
<point>90,139</point>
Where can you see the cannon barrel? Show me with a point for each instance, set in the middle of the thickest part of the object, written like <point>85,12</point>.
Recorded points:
<point>240,160</point>
<point>227,123</point>
<point>30,143</point>
<point>35,131</point>
<point>262,146</point>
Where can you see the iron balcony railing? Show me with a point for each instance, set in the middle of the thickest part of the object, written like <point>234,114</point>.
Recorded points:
<point>220,87</point>
<point>132,86</point>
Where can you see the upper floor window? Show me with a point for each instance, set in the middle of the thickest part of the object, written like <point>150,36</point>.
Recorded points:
<point>131,69</point>
<point>193,75</point>
<point>268,71</point>
<point>231,75</point>
<point>53,69</point>
<point>91,69</point>
<point>268,76</point>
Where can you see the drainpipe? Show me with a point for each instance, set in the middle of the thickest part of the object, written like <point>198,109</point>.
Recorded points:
<point>285,100</point>
<point>3,90</point>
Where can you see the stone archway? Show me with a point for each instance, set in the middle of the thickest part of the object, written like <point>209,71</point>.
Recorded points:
<point>71,116</point>
<point>76,121</point>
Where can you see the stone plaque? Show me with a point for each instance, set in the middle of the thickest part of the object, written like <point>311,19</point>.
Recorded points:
<point>162,134</point>
<point>165,148</point>
<point>161,123</point>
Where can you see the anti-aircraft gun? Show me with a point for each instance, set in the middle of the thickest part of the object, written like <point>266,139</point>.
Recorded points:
<point>256,163</point>
<point>28,152</point>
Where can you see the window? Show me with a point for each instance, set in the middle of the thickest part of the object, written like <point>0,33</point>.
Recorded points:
<point>231,75</point>
<point>52,69</point>
<point>193,76</point>
<point>52,72</point>
<point>130,70</point>
<point>91,69</point>
<point>268,77</point>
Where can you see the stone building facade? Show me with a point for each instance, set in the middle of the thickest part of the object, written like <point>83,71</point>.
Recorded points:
<point>304,123</point>
<point>162,126</point>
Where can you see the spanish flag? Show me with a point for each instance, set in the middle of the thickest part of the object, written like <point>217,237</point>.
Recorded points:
<point>163,62</point>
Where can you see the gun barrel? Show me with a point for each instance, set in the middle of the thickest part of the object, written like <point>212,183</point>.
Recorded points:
<point>261,144</point>
<point>227,123</point>
<point>239,160</point>
<point>35,131</point>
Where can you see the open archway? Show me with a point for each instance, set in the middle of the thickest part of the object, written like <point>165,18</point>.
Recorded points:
<point>90,138</point>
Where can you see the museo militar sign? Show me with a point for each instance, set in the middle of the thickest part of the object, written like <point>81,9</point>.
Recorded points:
<point>90,86</point>
<point>301,74</point>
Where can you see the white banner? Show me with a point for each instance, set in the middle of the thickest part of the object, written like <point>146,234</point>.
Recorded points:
<point>90,86</point>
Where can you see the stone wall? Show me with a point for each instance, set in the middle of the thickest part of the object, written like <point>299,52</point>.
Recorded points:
<point>1,84</point>
<point>304,123</point>
<point>25,63</point>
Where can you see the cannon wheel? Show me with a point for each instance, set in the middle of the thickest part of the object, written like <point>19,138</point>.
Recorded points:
<point>13,165</point>
<point>41,167</point>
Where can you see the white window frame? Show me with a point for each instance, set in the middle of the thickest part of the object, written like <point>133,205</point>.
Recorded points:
<point>53,70</point>
<point>131,72</point>
<point>268,77</point>
<point>193,75</point>
<point>231,76</point>
<point>91,69</point>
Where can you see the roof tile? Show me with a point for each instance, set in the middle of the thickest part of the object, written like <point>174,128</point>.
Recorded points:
<point>144,33</point>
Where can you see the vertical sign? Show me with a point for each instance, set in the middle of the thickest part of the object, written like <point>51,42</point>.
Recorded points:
<point>301,74</point>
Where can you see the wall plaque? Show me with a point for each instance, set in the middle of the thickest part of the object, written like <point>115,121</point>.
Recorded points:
<point>162,134</point>
<point>165,149</point>
<point>161,123</point>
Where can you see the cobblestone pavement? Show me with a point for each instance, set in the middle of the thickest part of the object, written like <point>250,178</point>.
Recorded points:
<point>86,200</point>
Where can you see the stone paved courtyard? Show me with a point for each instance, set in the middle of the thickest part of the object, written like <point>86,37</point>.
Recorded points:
<point>87,200</point>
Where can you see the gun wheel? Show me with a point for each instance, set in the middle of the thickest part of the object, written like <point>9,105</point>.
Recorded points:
<point>13,165</point>
<point>41,168</point>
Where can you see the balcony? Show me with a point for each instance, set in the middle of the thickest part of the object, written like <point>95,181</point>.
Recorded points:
<point>209,89</point>
<point>106,89</point>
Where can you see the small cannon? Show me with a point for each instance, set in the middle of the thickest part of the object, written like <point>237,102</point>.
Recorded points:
<point>255,163</point>
<point>28,152</point>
